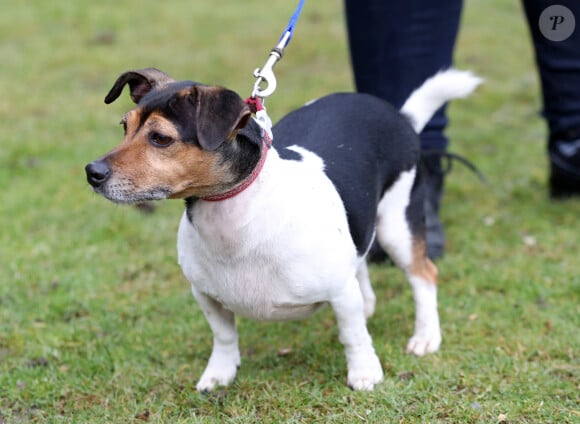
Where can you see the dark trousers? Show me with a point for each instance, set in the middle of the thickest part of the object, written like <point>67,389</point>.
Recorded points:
<point>396,45</point>
<point>558,65</point>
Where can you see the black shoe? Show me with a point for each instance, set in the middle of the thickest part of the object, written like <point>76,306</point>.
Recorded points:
<point>437,164</point>
<point>433,179</point>
<point>564,154</point>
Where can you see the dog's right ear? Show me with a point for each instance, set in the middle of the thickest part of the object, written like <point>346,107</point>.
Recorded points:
<point>141,82</point>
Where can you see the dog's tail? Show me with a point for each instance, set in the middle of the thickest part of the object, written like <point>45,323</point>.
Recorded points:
<point>440,88</point>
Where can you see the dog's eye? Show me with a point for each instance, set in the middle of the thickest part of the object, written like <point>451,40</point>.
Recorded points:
<point>124,123</point>
<point>160,140</point>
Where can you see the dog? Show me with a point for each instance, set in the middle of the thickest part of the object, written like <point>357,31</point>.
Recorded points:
<point>274,229</point>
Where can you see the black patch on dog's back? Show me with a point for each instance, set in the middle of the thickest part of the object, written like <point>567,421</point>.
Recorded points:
<point>365,144</point>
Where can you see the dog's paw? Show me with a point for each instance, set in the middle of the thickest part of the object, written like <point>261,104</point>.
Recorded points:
<point>364,380</point>
<point>213,377</point>
<point>366,376</point>
<point>220,371</point>
<point>424,342</point>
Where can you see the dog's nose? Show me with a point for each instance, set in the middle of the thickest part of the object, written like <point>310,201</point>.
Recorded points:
<point>97,172</point>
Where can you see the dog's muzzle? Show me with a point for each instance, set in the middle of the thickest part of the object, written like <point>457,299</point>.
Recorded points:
<point>98,172</point>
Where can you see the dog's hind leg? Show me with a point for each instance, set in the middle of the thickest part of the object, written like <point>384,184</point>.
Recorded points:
<point>401,232</point>
<point>423,278</point>
<point>364,367</point>
<point>369,298</point>
<point>225,356</point>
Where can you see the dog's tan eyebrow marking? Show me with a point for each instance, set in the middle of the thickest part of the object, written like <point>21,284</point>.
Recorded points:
<point>127,120</point>
<point>152,122</point>
<point>136,116</point>
<point>157,122</point>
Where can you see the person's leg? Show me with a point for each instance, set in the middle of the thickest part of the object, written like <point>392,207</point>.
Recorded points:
<point>395,46</point>
<point>556,37</point>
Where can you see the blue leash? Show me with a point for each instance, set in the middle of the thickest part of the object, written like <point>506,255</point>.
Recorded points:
<point>266,73</point>
<point>291,23</point>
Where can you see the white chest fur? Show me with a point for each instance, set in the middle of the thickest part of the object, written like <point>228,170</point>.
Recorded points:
<point>277,250</point>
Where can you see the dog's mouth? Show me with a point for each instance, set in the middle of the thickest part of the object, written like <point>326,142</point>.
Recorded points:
<point>119,188</point>
<point>127,194</point>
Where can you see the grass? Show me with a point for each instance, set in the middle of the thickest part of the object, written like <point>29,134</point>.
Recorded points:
<point>96,321</point>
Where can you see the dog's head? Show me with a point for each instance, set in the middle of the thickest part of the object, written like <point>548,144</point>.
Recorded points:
<point>181,140</point>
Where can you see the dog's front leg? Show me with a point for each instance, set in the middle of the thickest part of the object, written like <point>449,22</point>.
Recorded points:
<point>364,367</point>
<point>225,356</point>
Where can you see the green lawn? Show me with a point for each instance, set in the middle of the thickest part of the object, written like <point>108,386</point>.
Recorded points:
<point>97,324</point>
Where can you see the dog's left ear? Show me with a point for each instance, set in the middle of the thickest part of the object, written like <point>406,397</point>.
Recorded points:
<point>141,82</point>
<point>220,114</point>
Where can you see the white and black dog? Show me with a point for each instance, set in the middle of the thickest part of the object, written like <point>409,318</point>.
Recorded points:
<point>272,232</point>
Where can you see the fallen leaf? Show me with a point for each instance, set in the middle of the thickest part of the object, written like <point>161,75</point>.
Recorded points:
<point>143,416</point>
<point>529,240</point>
<point>285,351</point>
<point>406,376</point>
<point>488,221</point>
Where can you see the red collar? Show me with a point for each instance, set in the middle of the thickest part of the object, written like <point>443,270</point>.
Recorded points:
<point>266,144</point>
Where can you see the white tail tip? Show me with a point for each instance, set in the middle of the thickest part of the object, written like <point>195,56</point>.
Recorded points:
<point>435,92</point>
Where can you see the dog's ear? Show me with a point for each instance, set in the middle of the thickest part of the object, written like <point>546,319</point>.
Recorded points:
<point>141,82</point>
<point>220,113</point>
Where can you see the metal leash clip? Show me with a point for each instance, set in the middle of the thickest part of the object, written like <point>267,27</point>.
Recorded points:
<point>266,74</point>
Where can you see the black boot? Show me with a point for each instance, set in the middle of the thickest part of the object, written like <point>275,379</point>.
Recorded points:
<point>564,154</point>
<point>433,184</point>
